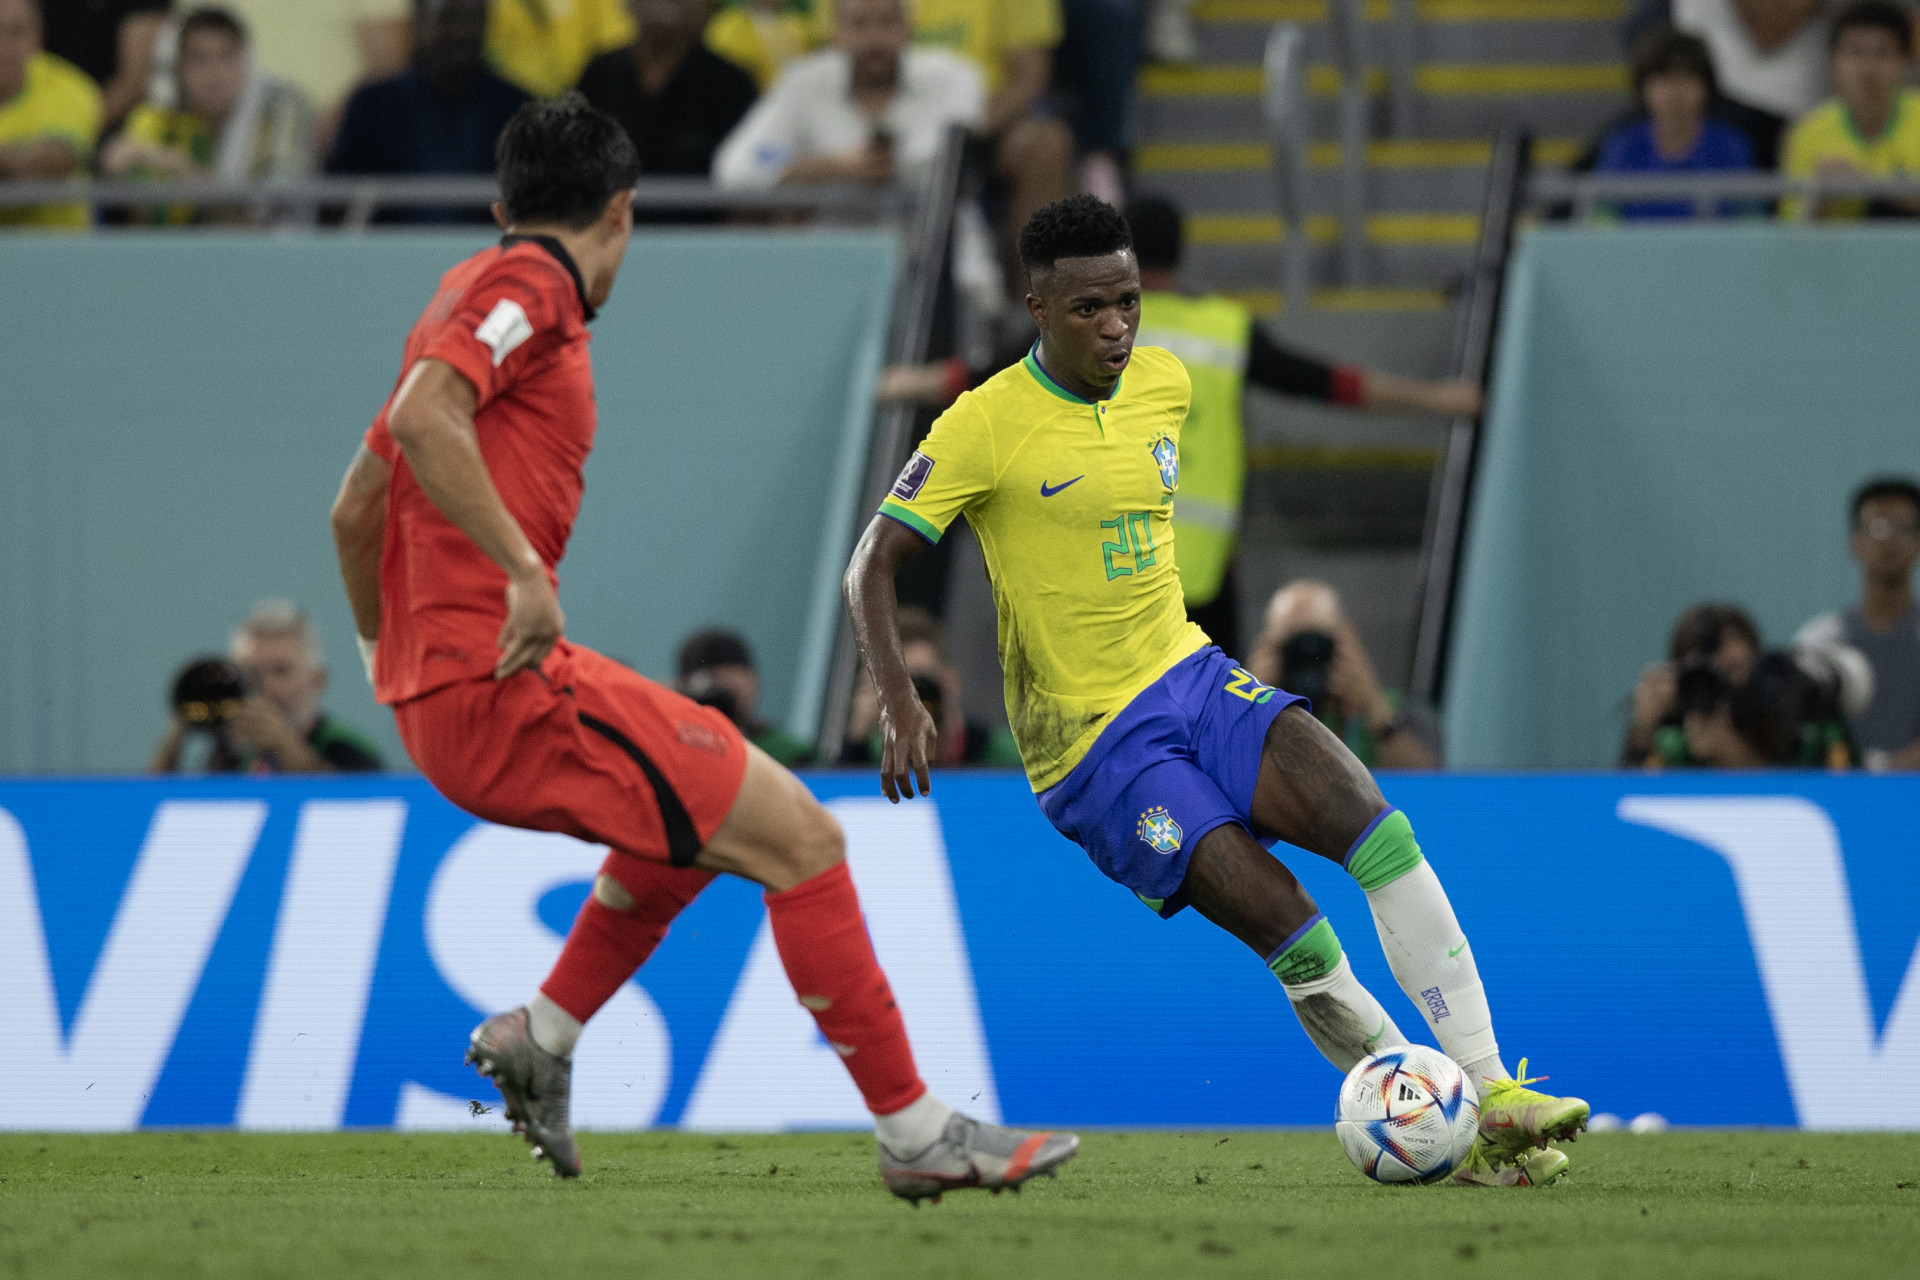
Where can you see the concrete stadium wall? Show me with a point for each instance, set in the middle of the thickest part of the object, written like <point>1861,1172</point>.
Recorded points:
<point>176,412</point>
<point>1678,414</point>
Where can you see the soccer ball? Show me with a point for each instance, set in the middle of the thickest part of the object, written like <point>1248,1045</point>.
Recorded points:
<point>1407,1115</point>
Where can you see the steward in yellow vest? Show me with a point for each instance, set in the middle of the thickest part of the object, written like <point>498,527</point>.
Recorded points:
<point>1223,350</point>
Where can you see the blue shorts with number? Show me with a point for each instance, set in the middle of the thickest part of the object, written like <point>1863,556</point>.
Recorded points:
<point>1180,760</point>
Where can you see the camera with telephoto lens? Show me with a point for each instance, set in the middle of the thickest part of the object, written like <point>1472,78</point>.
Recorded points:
<point>1306,661</point>
<point>207,693</point>
<point>932,697</point>
<point>708,692</point>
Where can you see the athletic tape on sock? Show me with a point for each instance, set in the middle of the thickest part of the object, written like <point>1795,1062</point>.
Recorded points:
<point>1385,851</point>
<point>1311,953</point>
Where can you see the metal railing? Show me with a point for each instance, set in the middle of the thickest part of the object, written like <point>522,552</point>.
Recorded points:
<point>1589,193</point>
<point>1283,108</point>
<point>359,199</point>
<point>929,244</point>
<point>1452,487</point>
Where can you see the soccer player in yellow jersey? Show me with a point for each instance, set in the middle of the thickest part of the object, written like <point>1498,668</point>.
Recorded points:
<point>1146,745</point>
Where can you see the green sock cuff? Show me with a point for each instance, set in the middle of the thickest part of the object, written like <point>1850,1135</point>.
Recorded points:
<point>1384,852</point>
<point>1311,953</point>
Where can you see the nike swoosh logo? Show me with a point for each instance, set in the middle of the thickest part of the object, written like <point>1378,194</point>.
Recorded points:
<point>1454,951</point>
<point>1045,492</point>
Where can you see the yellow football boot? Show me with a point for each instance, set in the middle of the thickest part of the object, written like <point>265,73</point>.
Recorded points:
<point>1514,1118</point>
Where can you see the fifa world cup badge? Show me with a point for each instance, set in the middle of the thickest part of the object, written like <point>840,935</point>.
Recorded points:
<point>1167,454</point>
<point>1158,829</point>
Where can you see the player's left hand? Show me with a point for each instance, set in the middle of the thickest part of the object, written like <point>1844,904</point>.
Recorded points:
<point>534,624</point>
<point>908,737</point>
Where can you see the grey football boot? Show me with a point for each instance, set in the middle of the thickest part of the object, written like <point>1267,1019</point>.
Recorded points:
<point>535,1084</point>
<point>969,1153</point>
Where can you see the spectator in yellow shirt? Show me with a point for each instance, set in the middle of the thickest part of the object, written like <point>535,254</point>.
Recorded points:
<point>1872,125</point>
<point>544,45</point>
<point>228,121</point>
<point>49,116</point>
<point>762,36</point>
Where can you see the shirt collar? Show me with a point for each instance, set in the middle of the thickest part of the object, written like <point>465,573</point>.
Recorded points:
<point>565,259</point>
<point>1045,379</point>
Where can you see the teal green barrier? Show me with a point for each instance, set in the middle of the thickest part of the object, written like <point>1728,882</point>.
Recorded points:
<point>1677,415</point>
<point>177,411</point>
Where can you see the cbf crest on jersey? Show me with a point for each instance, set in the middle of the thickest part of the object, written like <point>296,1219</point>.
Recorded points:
<point>1158,829</point>
<point>1167,454</point>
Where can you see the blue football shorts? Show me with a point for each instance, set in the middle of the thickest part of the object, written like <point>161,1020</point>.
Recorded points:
<point>1180,760</point>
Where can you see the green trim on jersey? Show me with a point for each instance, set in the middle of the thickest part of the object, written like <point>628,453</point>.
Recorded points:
<point>1045,379</point>
<point>1313,955</point>
<point>908,518</point>
<point>1387,854</point>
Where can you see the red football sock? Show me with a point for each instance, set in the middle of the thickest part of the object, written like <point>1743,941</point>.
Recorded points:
<point>606,947</point>
<point>824,945</point>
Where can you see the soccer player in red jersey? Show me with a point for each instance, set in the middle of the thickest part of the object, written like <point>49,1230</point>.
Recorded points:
<point>449,526</point>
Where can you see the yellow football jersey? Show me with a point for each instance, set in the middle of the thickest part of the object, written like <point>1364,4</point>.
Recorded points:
<point>1072,502</point>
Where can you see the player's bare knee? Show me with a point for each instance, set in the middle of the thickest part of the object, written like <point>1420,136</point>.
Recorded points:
<point>610,893</point>
<point>819,843</point>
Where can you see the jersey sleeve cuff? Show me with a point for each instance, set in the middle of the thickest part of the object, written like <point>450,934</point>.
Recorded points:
<point>918,523</point>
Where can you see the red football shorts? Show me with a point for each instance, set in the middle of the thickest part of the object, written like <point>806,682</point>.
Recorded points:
<point>586,747</point>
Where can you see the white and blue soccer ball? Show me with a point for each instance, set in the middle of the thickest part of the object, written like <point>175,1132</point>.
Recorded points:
<point>1407,1115</point>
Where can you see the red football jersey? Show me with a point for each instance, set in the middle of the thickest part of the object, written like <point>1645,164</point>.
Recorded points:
<point>512,320</point>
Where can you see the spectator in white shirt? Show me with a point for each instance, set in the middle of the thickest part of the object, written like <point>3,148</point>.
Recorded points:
<point>869,110</point>
<point>1770,54</point>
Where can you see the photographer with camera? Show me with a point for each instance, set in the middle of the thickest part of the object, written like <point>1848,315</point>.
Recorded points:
<point>1309,647</point>
<point>260,711</point>
<point>1719,702</point>
<point>716,670</point>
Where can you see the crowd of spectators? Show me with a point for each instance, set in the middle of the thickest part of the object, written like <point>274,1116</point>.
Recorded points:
<point>1844,693</point>
<point>753,93</point>
<point>1742,85</point>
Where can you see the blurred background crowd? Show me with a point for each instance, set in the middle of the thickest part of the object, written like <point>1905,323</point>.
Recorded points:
<point>1053,96</point>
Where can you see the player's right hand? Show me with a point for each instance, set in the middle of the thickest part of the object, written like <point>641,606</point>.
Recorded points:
<point>907,738</point>
<point>534,624</point>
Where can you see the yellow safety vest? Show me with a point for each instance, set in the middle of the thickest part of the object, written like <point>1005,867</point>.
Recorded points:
<point>1210,335</point>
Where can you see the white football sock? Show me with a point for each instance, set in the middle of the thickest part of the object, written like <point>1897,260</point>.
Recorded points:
<point>1341,1017</point>
<point>1485,1069</point>
<point>1434,965</point>
<point>552,1028</point>
<point>915,1127</point>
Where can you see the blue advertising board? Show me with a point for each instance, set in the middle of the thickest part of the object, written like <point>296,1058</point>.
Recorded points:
<point>308,954</point>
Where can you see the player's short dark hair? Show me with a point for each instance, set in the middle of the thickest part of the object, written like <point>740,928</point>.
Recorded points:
<point>1158,236</point>
<point>1899,488</point>
<point>211,18</point>
<point>1667,52</point>
<point>1081,226</point>
<point>706,649</point>
<point>1882,15</point>
<point>561,161</point>
<point>1701,630</point>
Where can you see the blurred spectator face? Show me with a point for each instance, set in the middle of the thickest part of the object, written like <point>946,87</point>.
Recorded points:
<point>1677,100</point>
<point>1300,607</point>
<point>452,34</point>
<point>1735,657</point>
<point>1886,538</point>
<point>213,70</point>
<point>19,41</point>
<point>669,17</point>
<point>1868,68</point>
<point>874,34</point>
<point>282,669</point>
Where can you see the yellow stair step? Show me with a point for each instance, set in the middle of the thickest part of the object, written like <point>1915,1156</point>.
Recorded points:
<point>1382,228</point>
<point>1269,303</point>
<point>1424,10</point>
<point>1485,80</point>
<point>1189,157</point>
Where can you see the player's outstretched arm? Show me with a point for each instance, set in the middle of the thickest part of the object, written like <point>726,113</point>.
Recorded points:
<point>359,533</point>
<point>431,419</point>
<point>907,731</point>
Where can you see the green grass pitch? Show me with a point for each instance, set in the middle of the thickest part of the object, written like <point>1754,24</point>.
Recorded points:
<point>1246,1203</point>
